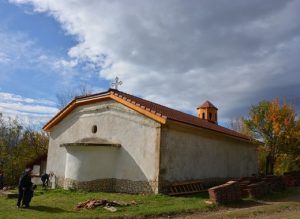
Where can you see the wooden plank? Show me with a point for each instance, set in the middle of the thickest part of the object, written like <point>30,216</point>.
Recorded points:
<point>185,187</point>
<point>187,182</point>
<point>188,192</point>
<point>194,187</point>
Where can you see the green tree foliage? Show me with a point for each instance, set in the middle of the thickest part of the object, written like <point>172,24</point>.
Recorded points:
<point>274,125</point>
<point>18,147</point>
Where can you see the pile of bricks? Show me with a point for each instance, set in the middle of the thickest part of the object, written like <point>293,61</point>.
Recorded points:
<point>257,190</point>
<point>275,183</point>
<point>291,179</point>
<point>225,193</point>
<point>244,182</point>
<point>255,187</point>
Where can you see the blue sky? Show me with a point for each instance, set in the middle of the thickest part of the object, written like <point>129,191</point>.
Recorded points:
<point>33,44</point>
<point>177,53</point>
<point>47,39</point>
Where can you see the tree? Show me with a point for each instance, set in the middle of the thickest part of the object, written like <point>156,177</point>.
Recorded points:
<point>64,97</point>
<point>293,150</point>
<point>275,126</point>
<point>10,135</point>
<point>238,125</point>
<point>18,147</point>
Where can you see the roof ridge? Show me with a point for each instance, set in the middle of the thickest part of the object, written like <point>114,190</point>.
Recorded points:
<point>153,102</point>
<point>204,123</point>
<point>148,106</point>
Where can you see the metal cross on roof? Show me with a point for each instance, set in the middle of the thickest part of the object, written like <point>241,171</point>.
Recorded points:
<point>115,83</point>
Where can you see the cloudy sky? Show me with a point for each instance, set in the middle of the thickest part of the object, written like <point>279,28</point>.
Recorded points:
<point>177,53</point>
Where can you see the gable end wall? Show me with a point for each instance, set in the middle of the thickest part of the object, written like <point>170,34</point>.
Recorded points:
<point>136,160</point>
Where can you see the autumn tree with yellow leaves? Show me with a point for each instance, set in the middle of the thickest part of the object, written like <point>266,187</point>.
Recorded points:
<point>274,125</point>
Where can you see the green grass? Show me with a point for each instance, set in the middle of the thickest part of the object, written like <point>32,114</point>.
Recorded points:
<point>61,204</point>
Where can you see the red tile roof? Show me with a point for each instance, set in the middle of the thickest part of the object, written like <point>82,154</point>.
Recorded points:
<point>153,110</point>
<point>172,114</point>
<point>207,104</point>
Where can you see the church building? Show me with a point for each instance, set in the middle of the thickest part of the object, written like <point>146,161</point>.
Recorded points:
<point>114,141</point>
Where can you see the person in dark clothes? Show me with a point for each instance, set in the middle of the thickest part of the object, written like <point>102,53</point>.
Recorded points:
<point>45,180</point>
<point>25,189</point>
<point>31,193</point>
<point>1,180</point>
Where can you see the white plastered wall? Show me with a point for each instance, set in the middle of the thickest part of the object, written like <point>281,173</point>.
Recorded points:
<point>189,153</point>
<point>89,163</point>
<point>138,135</point>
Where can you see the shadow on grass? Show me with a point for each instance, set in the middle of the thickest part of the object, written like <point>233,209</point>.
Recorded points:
<point>245,203</point>
<point>47,209</point>
<point>288,195</point>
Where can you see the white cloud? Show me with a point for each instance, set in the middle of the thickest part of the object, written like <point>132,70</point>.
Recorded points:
<point>29,111</point>
<point>17,98</point>
<point>4,58</point>
<point>184,52</point>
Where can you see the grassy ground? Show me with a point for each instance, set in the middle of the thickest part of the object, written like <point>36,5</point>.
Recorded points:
<point>61,204</point>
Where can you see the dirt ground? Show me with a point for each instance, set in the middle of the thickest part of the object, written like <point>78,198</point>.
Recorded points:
<point>285,208</point>
<point>252,213</point>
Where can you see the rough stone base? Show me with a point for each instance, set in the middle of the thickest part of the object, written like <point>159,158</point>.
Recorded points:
<point>109,185</point>
<point>128,186</point>
<point>100,185</point>
<point>59,181</point>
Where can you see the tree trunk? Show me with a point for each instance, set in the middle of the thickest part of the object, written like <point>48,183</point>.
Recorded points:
<point>268,164</point>
<point>272,165</point>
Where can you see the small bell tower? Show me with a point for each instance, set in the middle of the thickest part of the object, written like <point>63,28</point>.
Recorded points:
<point>208,111</point>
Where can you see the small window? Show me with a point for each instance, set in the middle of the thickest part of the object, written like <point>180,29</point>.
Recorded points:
<point>203,115</point>
<point>210,116</point>
<point>94,129</point>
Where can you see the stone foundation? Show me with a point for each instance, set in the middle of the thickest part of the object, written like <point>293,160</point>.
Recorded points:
<point>128,186</point>
<point>100,185</point>
<point>109,185</point>
<point>59,181</point>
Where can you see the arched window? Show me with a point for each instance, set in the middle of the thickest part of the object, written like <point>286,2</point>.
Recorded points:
<point>210,116</point>
<point>203,115</point>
